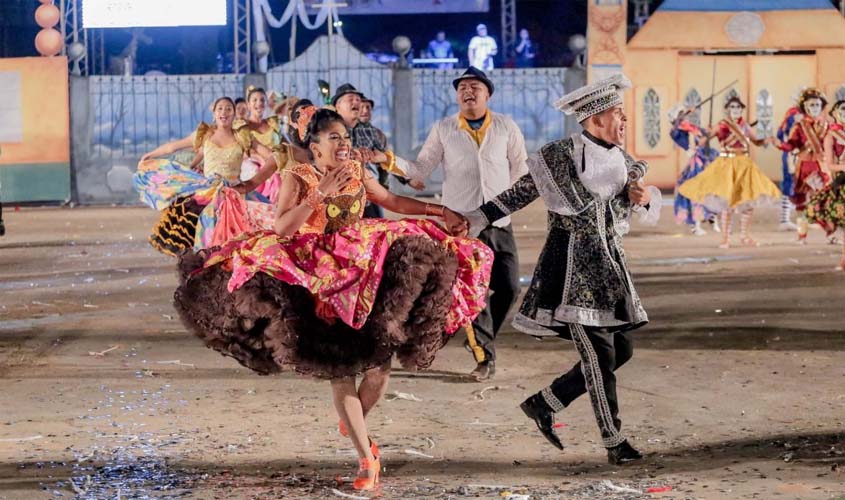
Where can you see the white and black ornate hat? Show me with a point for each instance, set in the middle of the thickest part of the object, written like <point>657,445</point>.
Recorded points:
<point>592,99</point>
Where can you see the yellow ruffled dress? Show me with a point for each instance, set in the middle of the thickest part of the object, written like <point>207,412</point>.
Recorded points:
<point>733,180</point>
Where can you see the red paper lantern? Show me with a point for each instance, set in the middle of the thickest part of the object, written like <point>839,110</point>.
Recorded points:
<point>49,42</point>
<point>47,15</point>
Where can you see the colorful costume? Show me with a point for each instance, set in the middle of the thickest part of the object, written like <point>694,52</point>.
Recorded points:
<point>827,207</point>
<point>282,152</point>
<point>807,138</point>
<point>684,132</point>
<point>340,296</point>
<point>201,210</point>
<point>793,116</point>
<point>787,186</point>
<point>581,289</point>
<point>733,180</point>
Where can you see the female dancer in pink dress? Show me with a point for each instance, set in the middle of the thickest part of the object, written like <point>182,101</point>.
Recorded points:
<point>333,295</point>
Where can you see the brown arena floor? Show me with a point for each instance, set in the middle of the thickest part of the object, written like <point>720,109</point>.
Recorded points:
<point>736,390</point>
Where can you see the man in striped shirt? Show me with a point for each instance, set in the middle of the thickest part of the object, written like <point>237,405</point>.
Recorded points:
<point>483,154</point>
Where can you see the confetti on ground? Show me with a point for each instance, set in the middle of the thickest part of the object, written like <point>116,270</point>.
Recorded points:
<point>103,353</point>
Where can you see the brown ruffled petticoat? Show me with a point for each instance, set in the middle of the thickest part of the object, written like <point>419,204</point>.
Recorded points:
<point>269,326</point>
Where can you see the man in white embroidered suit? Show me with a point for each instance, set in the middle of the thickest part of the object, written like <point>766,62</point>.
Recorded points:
<point>482,154</point>
<point>581,289</point>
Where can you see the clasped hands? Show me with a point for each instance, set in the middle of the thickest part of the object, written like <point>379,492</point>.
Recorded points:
<point>456,224</point>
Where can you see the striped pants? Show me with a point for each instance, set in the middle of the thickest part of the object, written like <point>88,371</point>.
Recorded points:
<point>601,354</point>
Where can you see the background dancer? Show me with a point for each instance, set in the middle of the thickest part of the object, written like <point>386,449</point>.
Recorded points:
<point>694,141</point>
<point>806,139</point>
<point>581,289</point>
<point>827,207</point>
<point>268,132</point>
<point>241,109</point>
<point>190,201</point>
<point>483,154</point>
<point>733,182</point>
<point>792,116</point>
<point>303,298</point>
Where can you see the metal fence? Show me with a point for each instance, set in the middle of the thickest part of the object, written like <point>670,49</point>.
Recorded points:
<point>115,120</point>
<point>135,114</point>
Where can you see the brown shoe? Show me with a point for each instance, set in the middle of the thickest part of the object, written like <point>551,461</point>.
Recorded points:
<point>484,371</point>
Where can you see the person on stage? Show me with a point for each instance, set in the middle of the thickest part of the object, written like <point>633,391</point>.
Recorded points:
<point>733,182</point>
<point>192,203</point>
<point>482,153</point>
<point>581,289</point>
<point>806,139</point>
<point>694,141</point>
<point>827,207</point>
<point>333,295</point>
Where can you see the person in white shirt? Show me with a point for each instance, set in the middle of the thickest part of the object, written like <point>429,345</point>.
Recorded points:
<point>582,290</point>
<point>483,154</point>
<point>481,49</point>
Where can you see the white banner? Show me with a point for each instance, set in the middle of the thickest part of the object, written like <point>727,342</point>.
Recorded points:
<point>143,13</point>
<point>373,7</point>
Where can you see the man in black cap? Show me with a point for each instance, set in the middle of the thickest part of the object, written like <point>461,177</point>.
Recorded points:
<point>366,138</point>
<point>483,154</point>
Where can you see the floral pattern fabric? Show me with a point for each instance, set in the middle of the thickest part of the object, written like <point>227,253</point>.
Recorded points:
<point>827,207</point>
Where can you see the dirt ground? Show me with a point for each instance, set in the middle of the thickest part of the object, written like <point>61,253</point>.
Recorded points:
<point>735,390</point>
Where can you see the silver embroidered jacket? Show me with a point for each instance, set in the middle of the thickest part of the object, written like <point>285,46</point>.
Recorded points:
<point>581,276</point>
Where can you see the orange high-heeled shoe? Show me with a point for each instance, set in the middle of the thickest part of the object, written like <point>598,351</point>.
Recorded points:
<point>367,483</point>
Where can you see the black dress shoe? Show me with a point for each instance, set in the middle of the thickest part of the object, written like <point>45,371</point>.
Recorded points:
<point>623,453</point>
<point>484,371</point>
<point>537,409</point>
<point>2,228</point>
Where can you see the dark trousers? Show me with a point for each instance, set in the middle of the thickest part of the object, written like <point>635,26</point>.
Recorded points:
<point>504,288</point>
<point>601,353</point>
